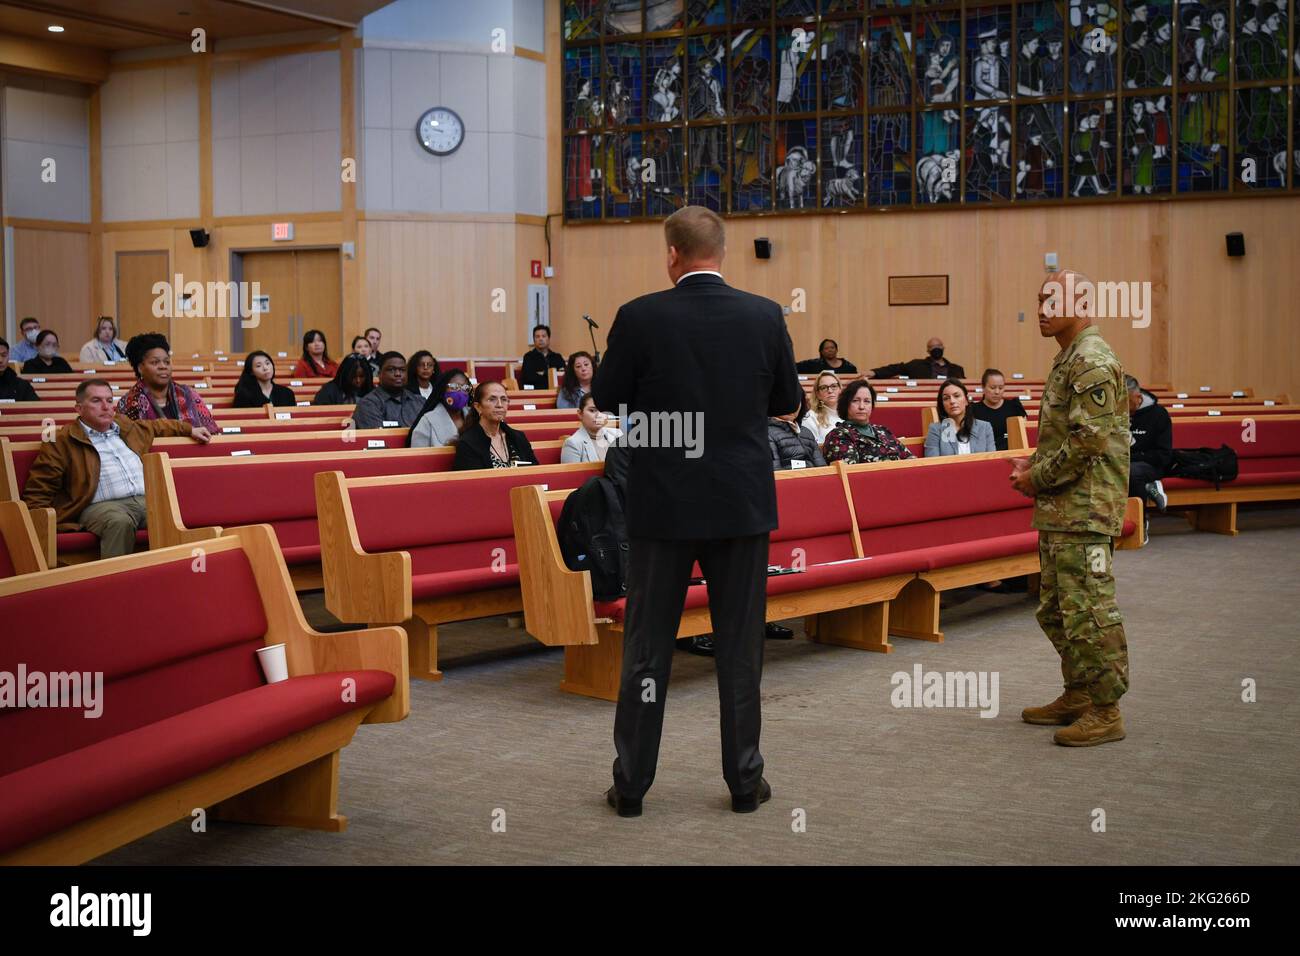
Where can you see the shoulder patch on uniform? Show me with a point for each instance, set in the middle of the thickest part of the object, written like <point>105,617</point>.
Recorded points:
<point>1099,396</point>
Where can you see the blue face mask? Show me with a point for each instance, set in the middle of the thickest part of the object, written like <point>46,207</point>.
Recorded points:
<point>456,400</point>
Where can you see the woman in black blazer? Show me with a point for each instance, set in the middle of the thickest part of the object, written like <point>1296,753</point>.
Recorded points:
<point>256,386</point>
<point>487,441</point>
<point>48,361</point>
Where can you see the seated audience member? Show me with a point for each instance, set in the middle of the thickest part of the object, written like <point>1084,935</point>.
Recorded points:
<point>487,441</point>
<point>351,383</point>
<point>533,370</point>
<point>155,395</point>
<point>822,416</point>
<point>13,387</point>
<point>442,418</point>
<point>389,405</point>
<point>105,348</point>
<point>91,474</point>
<point>934,365</point>
<point>592,439</point>
<point>421,372</point>
<point>793,445</point>
<point>957,432</point>
<point>994,408</point>
<point>256,386</point>
<point>315,361</point>
<point>828,360</point>
<point>25,347</point>
<point>48,361</point>
<point>374,337</point>
<point>577,380</point>
<point>361,348</point>
<point>1151,437</point>
<point>855,439</point>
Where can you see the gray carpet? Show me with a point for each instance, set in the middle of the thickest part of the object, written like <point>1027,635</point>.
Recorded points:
<point>1203,778</point>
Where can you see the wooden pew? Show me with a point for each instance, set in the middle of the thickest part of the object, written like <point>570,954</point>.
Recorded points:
<point>424,550</point>
<point>187,720</point>
<point>20,550</point>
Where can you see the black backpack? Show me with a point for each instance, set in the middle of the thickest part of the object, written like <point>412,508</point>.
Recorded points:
<point>593,537</point>
<point>1204,464</point>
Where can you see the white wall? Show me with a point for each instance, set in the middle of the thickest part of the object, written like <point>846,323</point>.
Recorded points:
<point>424,53</point>
<point>42,122</point>
<point>150,144</point>
<point>275,135</point>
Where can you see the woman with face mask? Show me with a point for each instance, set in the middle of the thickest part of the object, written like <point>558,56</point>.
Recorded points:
<point>442,418</point>
<point>48,361</point>
<point>105,348</point>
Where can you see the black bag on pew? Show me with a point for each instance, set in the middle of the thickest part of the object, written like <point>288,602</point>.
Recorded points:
<point>593,536</point>
<point>1204,464</point>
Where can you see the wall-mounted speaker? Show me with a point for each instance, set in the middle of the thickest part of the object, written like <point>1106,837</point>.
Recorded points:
<point>1236,244</point>
<point>199,237</point>
<point>763,248</point>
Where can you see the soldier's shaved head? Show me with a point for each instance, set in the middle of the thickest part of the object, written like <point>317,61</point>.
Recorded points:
<point>1065,305</point>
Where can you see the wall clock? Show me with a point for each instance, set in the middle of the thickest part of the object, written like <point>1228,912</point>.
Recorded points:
<point>440,131</point>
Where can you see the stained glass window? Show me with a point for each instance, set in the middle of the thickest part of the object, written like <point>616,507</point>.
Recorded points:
<point>755,106</point>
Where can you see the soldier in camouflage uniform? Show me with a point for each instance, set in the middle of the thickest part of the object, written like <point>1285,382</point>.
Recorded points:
<point>1078,477</point>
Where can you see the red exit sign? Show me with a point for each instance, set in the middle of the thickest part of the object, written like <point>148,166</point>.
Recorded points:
<point>281,231</point>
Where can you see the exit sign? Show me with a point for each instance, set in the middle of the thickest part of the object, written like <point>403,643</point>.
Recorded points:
<point>281,231</point>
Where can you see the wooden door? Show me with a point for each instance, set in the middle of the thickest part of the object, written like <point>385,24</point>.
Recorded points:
<point>276,278</point>
<point>306,292</point>
<point>136,274</point>
<point>320,298</point>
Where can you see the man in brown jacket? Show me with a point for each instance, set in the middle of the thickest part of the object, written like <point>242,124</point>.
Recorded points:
<point>91,474</point>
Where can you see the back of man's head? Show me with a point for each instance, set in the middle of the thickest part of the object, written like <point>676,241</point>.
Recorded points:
<point>697,234</point>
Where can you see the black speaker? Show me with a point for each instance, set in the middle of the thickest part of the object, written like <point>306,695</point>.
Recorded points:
<point>763,248</point>
<point>199,237</point>
<point>1236,244</point>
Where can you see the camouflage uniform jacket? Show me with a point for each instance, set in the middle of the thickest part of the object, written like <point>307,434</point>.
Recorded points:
<point>1080,467</point>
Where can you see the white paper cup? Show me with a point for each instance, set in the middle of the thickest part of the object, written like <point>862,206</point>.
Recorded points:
<point>275,663</point>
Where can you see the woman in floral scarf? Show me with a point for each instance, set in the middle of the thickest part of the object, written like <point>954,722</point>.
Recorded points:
<point>855,439</point>
<point>155,395</point>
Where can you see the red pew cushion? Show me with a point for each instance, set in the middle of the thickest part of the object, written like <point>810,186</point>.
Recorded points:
<point>48,796</point>
<point>78,542</point>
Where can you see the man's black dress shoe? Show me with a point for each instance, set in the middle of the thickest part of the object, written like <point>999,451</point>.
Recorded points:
<point>626,806</point>
<point>749,802</point>
<point>701,644</point>
<point>778,632</point>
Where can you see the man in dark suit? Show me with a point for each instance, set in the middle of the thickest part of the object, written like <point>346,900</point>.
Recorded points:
<point>701,353</point>
<point>934,365</point>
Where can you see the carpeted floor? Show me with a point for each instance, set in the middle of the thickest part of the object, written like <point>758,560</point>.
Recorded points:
<point>1203,777</point>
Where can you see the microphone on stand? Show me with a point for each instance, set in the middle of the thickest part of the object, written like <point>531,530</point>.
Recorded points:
<point>591,328</point>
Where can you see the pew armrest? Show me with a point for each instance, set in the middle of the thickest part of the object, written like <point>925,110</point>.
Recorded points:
<point>47,534</point>
<point>312,652</point>
<point>359,586</point>
<point>1134,511</point>
<point>18,537</point>
<point>557,601</point>
<point>162,509</point>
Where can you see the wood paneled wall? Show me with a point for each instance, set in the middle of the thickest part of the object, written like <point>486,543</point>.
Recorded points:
<point>1214,320</point>
<point>52,281</point>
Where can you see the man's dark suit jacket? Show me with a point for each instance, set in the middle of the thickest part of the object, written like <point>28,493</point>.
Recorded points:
<point>917,368</point>
<point>701,347</point>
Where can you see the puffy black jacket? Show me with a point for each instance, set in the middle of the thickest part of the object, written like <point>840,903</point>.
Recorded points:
<point>1152,434</point>
<point>787,445</point>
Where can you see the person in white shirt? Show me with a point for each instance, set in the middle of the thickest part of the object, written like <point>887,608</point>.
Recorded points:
<point>822,416</point>
<point>592,440</point>
<point>105,348</point>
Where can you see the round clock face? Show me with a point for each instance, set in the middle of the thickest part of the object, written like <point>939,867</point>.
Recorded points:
<point>440,131</point>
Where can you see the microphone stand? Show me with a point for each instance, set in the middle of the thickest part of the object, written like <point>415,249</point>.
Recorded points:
<point>595,352</point>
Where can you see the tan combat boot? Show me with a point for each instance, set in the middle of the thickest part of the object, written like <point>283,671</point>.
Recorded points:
<point>1100,725</point>
<point>1066,709</point>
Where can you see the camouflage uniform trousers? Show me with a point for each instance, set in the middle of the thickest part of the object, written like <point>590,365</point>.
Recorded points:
<point>1078,613</point>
